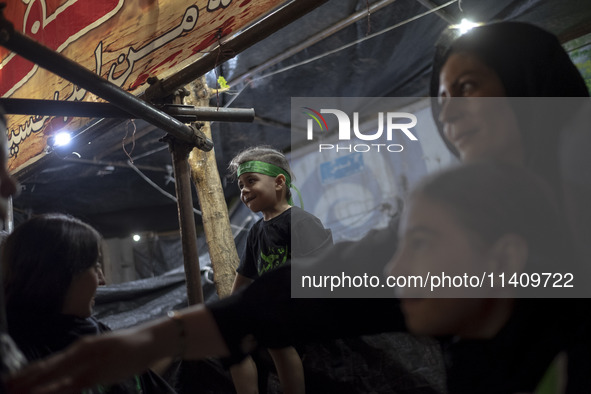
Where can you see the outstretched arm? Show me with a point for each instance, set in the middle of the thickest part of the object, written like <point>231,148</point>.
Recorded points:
<point>111,357</point>
<point>264,314</point>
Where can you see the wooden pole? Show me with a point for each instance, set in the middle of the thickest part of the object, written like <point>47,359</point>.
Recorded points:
<point>216,223</point>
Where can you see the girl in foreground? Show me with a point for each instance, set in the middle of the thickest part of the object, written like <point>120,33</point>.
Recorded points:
<point>51,270</point>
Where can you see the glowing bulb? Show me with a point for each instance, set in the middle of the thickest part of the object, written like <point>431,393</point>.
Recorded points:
<point>136,237</point>
<point>466,25</point>
<point>62,139</point>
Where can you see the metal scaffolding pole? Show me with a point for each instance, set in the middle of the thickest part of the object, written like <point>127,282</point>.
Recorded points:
<point>75,73</point>
<point>85,109</point>
<point>182,175</point>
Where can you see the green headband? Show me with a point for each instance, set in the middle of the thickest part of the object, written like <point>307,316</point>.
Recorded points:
<point>272,170</point>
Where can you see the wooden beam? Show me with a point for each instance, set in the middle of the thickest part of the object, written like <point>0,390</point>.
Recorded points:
<point>232,46</point>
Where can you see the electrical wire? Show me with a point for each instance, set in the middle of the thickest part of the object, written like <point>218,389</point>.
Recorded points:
<point>158,188</point>
<point>343,47</point>
<point>173,198</point>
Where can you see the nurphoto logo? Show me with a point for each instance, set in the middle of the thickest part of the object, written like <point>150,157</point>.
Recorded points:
<point>388,123</point>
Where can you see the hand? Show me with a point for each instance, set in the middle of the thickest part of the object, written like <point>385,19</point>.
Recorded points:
<point>101,359</point>
<point>112,357</point>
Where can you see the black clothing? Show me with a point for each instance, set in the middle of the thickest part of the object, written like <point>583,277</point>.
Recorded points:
<point>272,243</point>
<point>266,310</point>
<point>38,338</point>
<point>514,360</point>
<point>551,144</point>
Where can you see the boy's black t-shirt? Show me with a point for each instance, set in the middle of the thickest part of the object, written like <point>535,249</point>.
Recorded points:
<point>272,243</point>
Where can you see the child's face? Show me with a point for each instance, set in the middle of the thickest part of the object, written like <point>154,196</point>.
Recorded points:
<point>258,191</point>
<point>79,299</point>
<point>434,241</point>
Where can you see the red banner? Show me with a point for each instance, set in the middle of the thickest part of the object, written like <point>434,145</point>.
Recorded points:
<point>124,41</point>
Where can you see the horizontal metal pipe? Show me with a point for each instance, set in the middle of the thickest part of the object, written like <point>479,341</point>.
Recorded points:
<point>99,163</point>
<point>107,110</point>
<point>83,109</point>
<point>197,114</point>
<point>73,72</point>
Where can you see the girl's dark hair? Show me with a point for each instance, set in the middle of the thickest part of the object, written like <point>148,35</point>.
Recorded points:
<point>492,199</point>
<point>265,154</point>
<point>40,258</point>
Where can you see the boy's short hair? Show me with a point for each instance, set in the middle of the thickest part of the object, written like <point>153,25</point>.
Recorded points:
<point>492,198</point>
<point>266,154</point>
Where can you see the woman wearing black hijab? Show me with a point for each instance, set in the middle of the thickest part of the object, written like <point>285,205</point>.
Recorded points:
<point>529,62</point>
<point>510,53</point>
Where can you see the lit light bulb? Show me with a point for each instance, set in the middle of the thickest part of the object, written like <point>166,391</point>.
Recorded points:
<point>466,25</point>
<point>62,139</point>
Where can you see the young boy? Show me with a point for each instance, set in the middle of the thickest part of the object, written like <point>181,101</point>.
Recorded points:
<point>264,179</point>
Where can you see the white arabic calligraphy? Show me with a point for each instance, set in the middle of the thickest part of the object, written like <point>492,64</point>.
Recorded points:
<point>36,123</point>
<point>188,23</point>
<point>213,5</point>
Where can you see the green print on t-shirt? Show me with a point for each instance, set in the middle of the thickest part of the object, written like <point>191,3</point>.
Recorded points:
<point>276,258</point>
